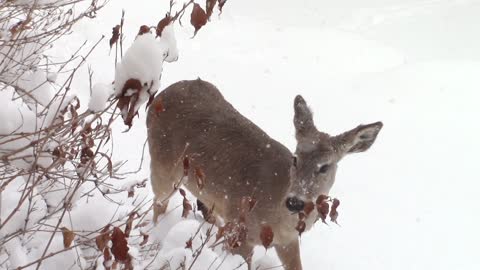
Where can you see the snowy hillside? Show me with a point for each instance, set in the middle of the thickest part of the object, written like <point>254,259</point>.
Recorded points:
<point>411,201</point>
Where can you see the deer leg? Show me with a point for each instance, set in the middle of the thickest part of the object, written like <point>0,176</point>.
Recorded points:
<point>159,208</point>
<point>290,255</point>
<point>163,189</point>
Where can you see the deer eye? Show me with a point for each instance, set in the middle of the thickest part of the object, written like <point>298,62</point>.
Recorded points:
<point>323,169</point>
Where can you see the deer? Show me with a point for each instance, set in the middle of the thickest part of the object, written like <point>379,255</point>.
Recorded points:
<point>192,118</point>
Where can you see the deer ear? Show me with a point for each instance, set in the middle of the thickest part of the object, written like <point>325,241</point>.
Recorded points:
<point>302,120</point>
<point>358,139</point>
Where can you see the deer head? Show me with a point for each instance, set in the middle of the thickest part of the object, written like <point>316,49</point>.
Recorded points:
<point>317,154</point>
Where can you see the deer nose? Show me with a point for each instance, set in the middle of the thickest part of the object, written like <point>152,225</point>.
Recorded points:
<point>294,204</point>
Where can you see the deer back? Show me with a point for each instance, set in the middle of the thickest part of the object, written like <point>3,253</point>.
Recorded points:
<point>191,118</point>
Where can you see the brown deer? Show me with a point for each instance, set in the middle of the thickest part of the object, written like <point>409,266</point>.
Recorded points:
<point>191,118</point>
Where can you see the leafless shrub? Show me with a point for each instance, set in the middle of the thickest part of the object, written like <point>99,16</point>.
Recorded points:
<point>54,153</point>
<point>59,153</point>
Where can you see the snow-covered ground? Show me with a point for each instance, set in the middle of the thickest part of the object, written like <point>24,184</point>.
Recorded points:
<point>411,201</point>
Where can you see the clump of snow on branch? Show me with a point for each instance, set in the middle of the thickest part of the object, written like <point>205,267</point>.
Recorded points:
<point>137,76</point>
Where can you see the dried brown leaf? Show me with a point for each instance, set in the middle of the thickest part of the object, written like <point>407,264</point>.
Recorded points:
<point>162,24</point>
<point>308,207</point>
<point>323,210</point>
<point>200,177</point>
<point>266,235</point>
<point>126,104</point>
<point>187,207</point>
<point>198,18</point>
<point>115,35</point>
<point>102,239</point>
<point>300,227</point>
<point>186,166</point>
<point>107,257</point>
<point>321,198</point>
<point>144,29</point>
<point>209,6</point>
<point>189,243</point>
<point>68,237</point>
<point>128,226</point>
<point>221,3</point>
<point>206,212</point>
<point>333,210</point>
<point>119,245</point>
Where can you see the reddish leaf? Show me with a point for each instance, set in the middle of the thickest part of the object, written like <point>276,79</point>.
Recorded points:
<point>119,245</point>
<point>68,237</point>
<point>300,227</point>
<point>102,239</point>
<point>187,207</point>
<point>115,35</point>
<point>128,226</point>
<point>207,213</point>
<point>144,29</point>
<point>162,24</point>
<point>321,198</point>
<point>333,210</point>
<point>107,257</point>
<point>182,192</point>
<point>322,207</point>
<point>145,239</point>
<point>200,177</point>
<point>308,207</point>
<point>210,4</point>
<point>189,243</point>
<point>186,166</point>
<point>125,103</point>
<point>221,3</point>
<point>198,18</point>
<point>323,210</point>
<point>266,235</point>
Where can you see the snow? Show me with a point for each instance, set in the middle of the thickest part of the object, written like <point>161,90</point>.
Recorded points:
<point>143,61</point>
<point>100,94</point>
<point>37,85</point>
<point>410,202</point>
<point>15,116</point>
